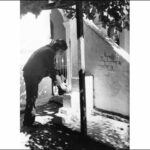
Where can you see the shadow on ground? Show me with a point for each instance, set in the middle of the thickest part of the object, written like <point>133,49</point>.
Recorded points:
<point>52,135</point>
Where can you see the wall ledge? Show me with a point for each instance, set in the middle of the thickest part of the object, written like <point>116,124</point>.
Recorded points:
<point>120,51</point>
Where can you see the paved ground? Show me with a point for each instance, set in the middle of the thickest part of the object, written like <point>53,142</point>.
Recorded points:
<point>50,134</point>
<point>102,127</point>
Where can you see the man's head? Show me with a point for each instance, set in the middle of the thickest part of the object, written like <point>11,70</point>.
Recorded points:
<point>60,45</point>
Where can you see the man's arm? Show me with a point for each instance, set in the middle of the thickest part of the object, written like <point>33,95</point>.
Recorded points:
<point>52,74</point>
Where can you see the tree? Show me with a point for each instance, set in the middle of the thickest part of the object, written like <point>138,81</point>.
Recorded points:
<point>111,12</point>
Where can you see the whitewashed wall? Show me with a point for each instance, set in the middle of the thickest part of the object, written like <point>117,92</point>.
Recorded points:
<point>111,73</point>
<point>110,70</point>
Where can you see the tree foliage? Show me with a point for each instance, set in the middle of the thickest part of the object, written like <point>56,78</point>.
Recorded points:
<point>111,12</point>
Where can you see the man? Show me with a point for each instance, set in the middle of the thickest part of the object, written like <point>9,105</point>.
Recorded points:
<point>41,64</point>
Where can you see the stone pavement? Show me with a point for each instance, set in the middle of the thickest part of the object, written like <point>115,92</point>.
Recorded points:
<point>49,133</point>
<point>101,126</point>
<point>102,129</point>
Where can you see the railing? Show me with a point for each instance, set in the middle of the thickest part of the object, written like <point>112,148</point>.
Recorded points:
<point>61,67</point>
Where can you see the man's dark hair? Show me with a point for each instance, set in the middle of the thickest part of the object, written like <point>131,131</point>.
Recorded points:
<point>60,44</point>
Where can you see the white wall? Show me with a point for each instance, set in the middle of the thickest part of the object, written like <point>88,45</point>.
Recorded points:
<point>124,40</point>
<point>111,80</point>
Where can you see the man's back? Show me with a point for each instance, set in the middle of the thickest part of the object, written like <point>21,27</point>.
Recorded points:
<point>40,62</point>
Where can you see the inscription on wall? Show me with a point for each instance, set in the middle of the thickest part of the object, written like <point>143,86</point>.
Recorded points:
<point>109,61</point>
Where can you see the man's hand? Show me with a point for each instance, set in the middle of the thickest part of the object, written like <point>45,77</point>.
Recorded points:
<point>61,82</point>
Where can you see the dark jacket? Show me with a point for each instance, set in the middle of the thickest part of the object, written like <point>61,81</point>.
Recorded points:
<point>41,63</point>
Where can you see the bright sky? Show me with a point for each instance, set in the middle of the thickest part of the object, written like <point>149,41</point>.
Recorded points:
<point>34,33</point>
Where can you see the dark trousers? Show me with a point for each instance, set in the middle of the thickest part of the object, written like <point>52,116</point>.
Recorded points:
<point>31,84</point>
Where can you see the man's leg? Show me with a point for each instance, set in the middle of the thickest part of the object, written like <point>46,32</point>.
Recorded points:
<point>31,95</point>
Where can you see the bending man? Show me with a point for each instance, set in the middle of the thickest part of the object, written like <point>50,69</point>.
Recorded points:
<point>41,64</point>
